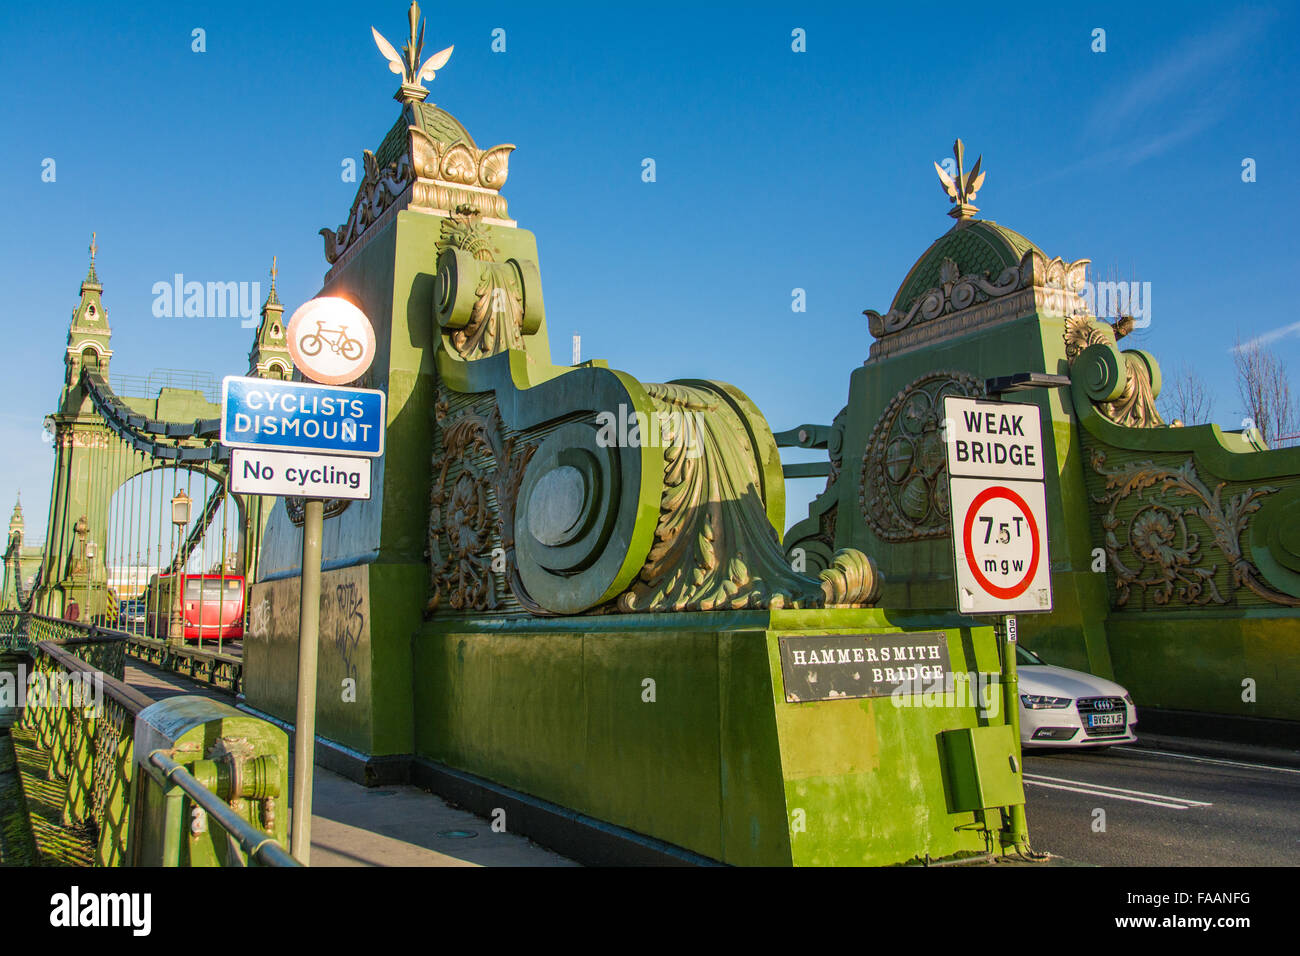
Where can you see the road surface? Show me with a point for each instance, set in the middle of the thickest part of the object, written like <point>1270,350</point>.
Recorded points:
<point>1162,808</point>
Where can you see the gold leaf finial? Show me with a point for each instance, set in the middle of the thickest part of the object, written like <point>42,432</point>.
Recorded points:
<point>407,65</point>
<point>962,188</point>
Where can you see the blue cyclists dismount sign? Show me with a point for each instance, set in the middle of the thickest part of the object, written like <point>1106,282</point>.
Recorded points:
<point>296,416</point>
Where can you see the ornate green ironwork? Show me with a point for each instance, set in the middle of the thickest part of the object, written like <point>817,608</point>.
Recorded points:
<point>89,743</point>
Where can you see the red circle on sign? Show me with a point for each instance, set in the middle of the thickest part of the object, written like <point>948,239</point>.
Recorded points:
<point>1022,585</point>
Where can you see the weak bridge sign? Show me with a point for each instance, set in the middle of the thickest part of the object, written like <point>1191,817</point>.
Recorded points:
<point>998,506</point>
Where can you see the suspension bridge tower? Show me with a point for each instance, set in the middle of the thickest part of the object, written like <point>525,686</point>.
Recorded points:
<point>73,571</point>
<point>21,562</point>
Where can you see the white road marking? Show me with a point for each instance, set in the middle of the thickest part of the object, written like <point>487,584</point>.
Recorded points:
<point>1214,760</point>
<point>1115,793</point>
<point>1113,796</point>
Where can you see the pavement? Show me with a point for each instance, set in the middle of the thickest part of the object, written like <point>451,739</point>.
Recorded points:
<point>398,825</point>
<point>406,826</point>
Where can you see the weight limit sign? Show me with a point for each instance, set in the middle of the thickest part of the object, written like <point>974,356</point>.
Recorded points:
<point>1000,546</point>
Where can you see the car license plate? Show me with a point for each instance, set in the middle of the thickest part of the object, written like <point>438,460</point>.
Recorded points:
<point>1105,720</point>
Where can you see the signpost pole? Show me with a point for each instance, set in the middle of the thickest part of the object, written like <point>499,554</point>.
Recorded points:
<point>304,744</point>
<point>995,457</point>
<point>333,455</point>
<point>1018,835</point>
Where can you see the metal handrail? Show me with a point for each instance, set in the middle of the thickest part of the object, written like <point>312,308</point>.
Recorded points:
<point>89,627</point>
<point>75,634</point>
<point>260,847</point>
<point>13,633</point>
<point>190,652</point>
<point>121,705</point>
<point>109,724</point>
<point>128,697</point>
<point>133,644</point>
<point>147,386</point>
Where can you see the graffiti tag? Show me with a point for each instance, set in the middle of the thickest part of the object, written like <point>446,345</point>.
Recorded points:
<point>348,625</point>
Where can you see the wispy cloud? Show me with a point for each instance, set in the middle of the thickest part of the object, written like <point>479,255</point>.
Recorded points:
<point>1179,96</point>
<point>1268,337</point>
<point>1179,78</point>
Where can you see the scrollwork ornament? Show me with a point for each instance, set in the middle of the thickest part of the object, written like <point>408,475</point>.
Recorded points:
<point>496,319</point>
<point>378,190</point>
<point>470,506</point>
<point>714,546</point>
<point>1156,554</point>
<point>903,488</point>
<point>954,293</point>
<point>1080,332</point>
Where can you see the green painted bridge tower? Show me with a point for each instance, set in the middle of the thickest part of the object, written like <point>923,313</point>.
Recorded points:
<point>74,570</point>
<point>1175,551</point>
<point>269,356</point>
<point>570,583</point>
<point>22,563</point>
<point>95,458</point>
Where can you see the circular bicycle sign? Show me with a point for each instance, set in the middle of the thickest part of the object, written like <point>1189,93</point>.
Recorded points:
<point>330,340</point>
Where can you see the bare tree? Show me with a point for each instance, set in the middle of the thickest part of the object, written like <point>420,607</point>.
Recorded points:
<point>1187,398</point>
<point>1265,391</point>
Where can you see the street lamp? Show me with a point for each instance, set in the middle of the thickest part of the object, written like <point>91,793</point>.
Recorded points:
<point>181,510</point>
<point>90,564</point>
<point>180,518</point>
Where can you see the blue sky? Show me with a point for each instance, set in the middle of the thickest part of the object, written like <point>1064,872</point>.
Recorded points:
<point>775,170</point>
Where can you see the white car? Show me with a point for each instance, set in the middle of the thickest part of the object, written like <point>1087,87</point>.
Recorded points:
<point>1064,708</point>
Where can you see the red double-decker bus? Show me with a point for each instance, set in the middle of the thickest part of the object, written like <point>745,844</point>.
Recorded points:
<point>211,605</point>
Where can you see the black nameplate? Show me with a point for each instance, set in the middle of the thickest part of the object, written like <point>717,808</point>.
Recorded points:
<point>830,666</point>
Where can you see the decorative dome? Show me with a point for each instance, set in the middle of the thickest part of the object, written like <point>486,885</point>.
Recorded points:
<point>975,275</point>
<point>978,247</point>
<point>427,161</point>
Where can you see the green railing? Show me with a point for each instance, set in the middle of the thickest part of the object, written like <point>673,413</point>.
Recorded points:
<point>84,720</point>
<point>107,649</point>
<point>209,667</point>
<point>89,744</point>
<point>13,634</point>
<point>261,849</point>
<point>99,647</point>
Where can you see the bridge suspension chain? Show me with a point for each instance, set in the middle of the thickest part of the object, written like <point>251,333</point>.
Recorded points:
<point>149,574</point>
<point>159,439</point>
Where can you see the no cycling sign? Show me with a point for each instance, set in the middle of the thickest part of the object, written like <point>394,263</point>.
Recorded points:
<point>998,506</point>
